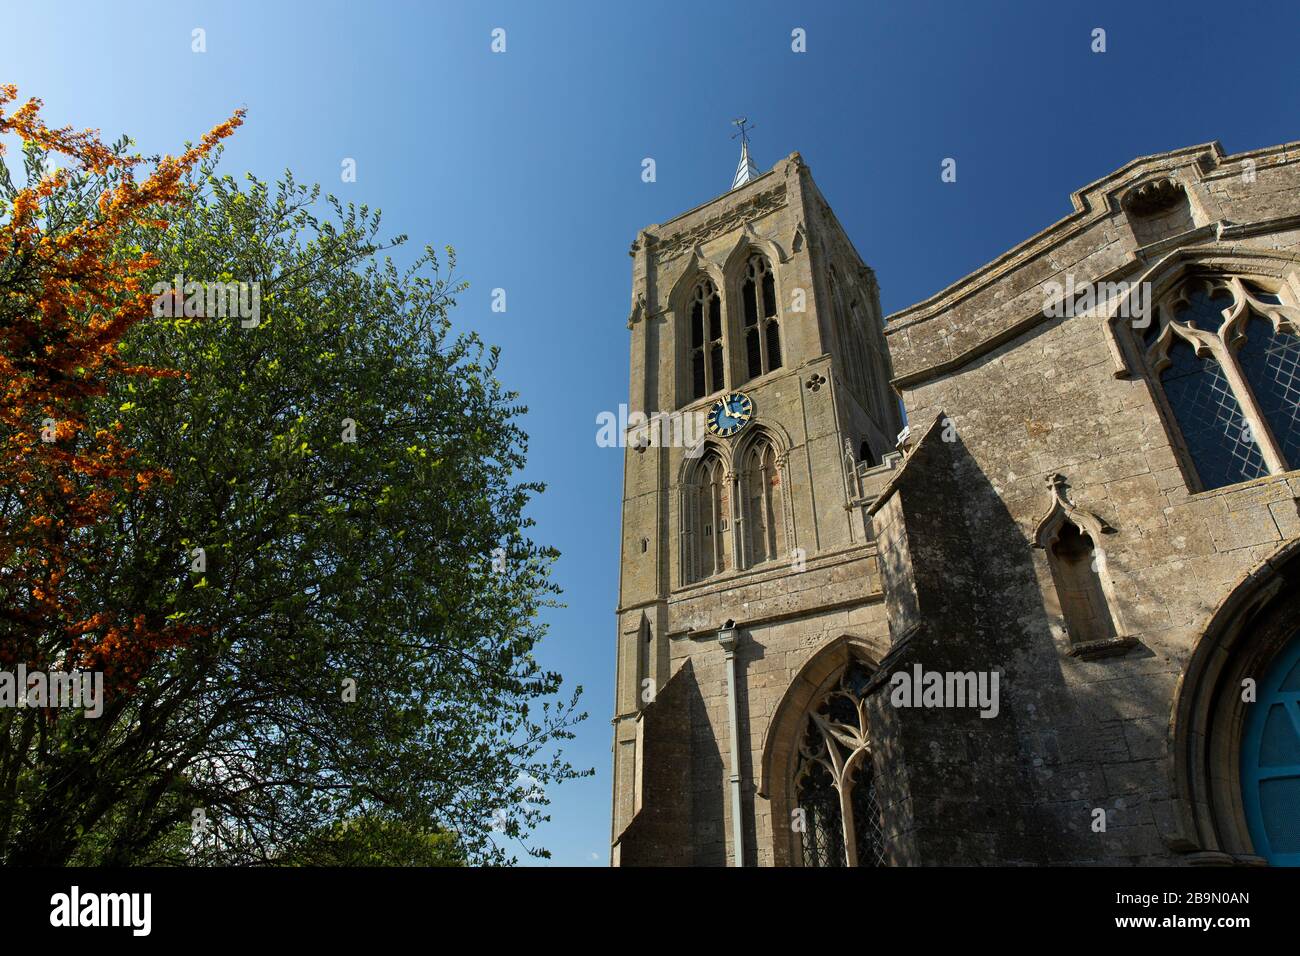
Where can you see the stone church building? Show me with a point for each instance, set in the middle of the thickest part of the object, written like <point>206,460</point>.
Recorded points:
<point>1007,577</point>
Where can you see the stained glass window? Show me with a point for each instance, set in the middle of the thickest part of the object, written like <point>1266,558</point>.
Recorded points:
<point>835,739</point>
<point>823,838</point>
<point>1233,389</point>
<point>1222,448</point>
<point>1270,360</point>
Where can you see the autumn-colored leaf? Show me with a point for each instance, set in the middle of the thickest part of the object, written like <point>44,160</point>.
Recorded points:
<point>67,298</point>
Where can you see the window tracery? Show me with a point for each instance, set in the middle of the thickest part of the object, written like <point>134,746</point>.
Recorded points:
<point>759,313</point>
<point>1226,355</point>
<point>707,505</point>
<point>707,357</point>
<point>835,782</point>
<point>764,502</point>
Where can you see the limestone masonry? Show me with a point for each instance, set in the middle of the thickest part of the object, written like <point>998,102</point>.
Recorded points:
<point>1092,515</point>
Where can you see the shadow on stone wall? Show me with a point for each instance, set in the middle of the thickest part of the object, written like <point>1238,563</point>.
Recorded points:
<point>660,834</point>
<point>1019,787</point>
<point>708,772</point>
<point>750,651</point>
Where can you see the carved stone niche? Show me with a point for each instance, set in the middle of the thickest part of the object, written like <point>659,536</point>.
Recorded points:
<point>1082,599</point>
<point>1157,209</point>
<point>1154,197</point>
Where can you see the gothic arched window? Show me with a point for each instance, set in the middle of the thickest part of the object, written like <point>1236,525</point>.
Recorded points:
<point>1209,416</point>
<point>1270,359</point>
<point>823,835</point>
<point>707,504</point>
<point>764,503</point>
<point>762,330</point>
<point>864,359</point>
<point>1227,358</point>
<point>855,345</point>
<point>706,340</point>
<point>835,781</point>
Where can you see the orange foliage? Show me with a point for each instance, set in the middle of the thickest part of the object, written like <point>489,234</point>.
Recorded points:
<point>68,294</point>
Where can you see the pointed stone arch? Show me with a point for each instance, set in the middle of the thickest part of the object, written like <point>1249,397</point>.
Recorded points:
<point>767,335</point>
<point>780,754</point>
<point>699,267</point>
<point>1179,353</point>
<point>764,426</point>
<point>778,515</point>
<point>705,514</point>
<point>1063,510</point>
<point>750,241</point>
<point>1247,629</point>
<point>1082,599</point>
<point>1158,280</point>
<point>690,463</point>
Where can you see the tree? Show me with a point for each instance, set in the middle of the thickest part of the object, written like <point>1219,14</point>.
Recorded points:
<point>69,293</point>
<point>372,841</point>
<point>344,536</point>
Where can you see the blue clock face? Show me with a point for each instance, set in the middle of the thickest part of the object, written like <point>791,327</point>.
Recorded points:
<point>730,414</point>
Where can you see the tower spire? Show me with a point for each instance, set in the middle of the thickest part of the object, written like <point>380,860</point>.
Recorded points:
<point>746,170</point>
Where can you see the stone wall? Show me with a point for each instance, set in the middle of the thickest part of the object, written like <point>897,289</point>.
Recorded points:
<point>1028,397</point>
<point>826,580</point>
<point>941,561</point>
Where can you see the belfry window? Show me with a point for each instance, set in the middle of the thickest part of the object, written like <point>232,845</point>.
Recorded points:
<point>706,340</point>
<point>762,330</point>
<point>835,781</point>
<point>1227,357</point>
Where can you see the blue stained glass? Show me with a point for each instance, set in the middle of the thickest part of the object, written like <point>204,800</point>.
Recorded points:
<point>1271,363</point>
<point>1205,309</point>
<point>1210,419</point>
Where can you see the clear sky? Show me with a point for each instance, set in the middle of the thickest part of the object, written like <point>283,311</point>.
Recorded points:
<point>529,162</point>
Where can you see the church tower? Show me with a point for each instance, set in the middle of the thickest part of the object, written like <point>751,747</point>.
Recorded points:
<point>759,401</point>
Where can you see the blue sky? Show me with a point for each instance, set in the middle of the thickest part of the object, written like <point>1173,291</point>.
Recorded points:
<point>529,162</point>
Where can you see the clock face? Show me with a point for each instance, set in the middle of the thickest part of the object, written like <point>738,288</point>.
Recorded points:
<point>729,414</point>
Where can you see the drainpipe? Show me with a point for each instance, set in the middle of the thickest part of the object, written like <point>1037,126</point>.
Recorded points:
<point>727,637</point>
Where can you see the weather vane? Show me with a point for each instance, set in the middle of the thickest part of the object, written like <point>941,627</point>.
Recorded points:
<point>746,171</point>
<point>742,129</point>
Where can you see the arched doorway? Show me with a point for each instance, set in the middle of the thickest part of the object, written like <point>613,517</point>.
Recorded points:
<point>1270,760</point>
<point>1235,733</point>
